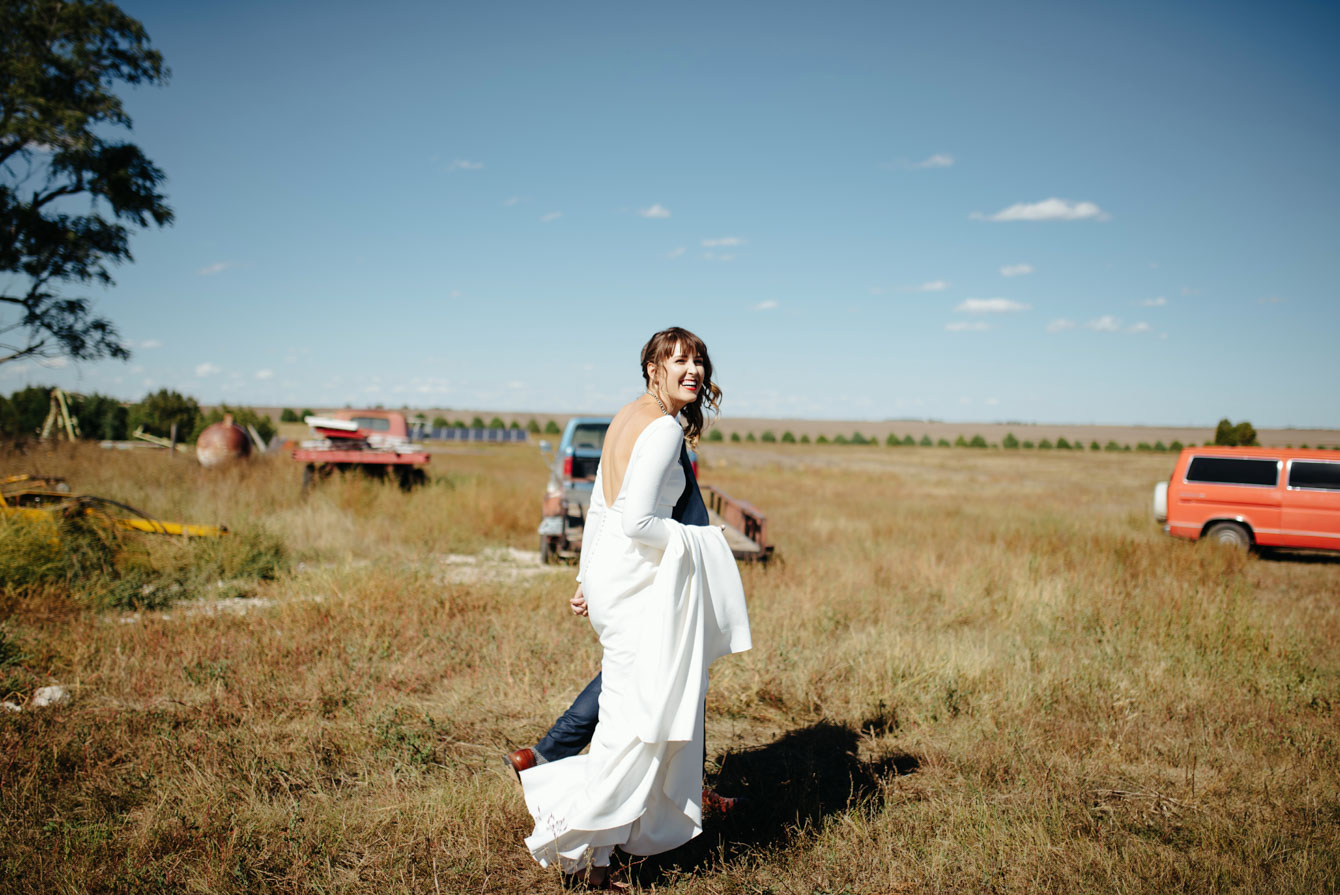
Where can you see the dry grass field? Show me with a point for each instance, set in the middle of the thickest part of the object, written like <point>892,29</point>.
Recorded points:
<point>974,671</point>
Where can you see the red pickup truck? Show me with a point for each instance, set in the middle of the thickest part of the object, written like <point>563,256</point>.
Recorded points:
<point>374,442</point>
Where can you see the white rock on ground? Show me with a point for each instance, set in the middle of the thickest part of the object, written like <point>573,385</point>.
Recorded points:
<point>12,707</point>
<point>53,695</point>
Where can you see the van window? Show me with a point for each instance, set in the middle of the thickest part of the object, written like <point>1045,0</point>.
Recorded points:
<point>1233,471</point>
<point>1317,474</point>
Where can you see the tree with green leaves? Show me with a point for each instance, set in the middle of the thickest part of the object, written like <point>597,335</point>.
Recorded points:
<point>926,441</point>
<point>977,441</point>
<point>1009,442</point>
<point>893,441</point>
<point>805,438</point>
<point>440,422</point>
<point>1243,434</point>
<point>102,418</point>
<point>158,411</point>
<point>551,428</point>
<point>715,435</point>
<point>788,437</point>
<point>533,427</point>
<point>735,436</point>
<point>288,415</point>
<point>22,413</point>
<point>768,436</point>
<point>69,191</point>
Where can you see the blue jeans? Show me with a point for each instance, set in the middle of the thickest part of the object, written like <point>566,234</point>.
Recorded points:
<point>573,729</point>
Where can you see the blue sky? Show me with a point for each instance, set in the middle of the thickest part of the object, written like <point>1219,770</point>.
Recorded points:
<point>1066,212</point>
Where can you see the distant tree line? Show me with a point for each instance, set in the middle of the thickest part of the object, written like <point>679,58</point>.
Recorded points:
<point>102,418</point>
<point>1227,433</point>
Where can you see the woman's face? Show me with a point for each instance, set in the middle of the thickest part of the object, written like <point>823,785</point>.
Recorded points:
<point>680,378</point>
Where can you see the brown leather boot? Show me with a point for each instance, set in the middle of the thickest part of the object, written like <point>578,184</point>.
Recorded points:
<point>521,760</point>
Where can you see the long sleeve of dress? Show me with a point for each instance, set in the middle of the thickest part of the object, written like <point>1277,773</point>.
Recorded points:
<point>655,455</point>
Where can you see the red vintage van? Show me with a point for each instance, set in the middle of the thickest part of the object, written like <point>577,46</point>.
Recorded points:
<point>1253,497</point>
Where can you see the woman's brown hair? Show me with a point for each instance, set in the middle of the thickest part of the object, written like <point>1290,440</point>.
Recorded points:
<point>660,348</point>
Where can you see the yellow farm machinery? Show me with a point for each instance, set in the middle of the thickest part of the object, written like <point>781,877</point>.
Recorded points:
<point>39,498</point>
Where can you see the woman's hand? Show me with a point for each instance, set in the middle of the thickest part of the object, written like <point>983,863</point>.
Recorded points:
<point>578,601</point>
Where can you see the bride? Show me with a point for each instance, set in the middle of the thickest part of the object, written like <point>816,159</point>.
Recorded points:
<point>666,600</point>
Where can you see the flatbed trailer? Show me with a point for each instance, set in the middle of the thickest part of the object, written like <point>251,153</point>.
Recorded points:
<point>746,528</point>
<point>407,468</point>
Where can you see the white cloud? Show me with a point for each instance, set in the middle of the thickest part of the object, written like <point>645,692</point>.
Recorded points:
<point>1060,326</point>
<point>713,256</point>
<point>938,160</point>
<point>455,293</point>
<point>53,363</point>
<point>960,326</point>
<point>1046,210</point>
<point>1158,302</point>
<point>207,369</point>
<point>991,402</point>
<point>1016,270</point>
<point>1273,300</point>
<point>991,306</point>
<point>551,216</point>
<point>510,201</point>
<point>675,253</point>
<point>461,164</point>
<point>1187,290</point>
<point>1105,324</point>
<point>214,269</point>
<point>264,374</point>
<point>148,343</point>
<point>767,305</point>
<point>931,286</point>
<point>655,211</point>
<point>723,242</point>
<point>1140,327</point>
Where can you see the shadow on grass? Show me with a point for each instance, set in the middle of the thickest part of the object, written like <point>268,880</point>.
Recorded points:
<point>790,784</point>
<point>1304,557</point>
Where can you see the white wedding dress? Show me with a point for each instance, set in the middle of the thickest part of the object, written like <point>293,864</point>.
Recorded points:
<point>666,601</point>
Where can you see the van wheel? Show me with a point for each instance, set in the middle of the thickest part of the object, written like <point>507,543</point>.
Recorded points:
<point>547,550</point>
<point>1229,534</point>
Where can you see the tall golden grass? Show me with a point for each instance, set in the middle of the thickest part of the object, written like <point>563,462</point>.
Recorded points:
<point>974,671</point>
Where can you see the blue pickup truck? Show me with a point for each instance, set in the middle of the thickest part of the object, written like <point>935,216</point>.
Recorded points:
<point>572,475</point>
